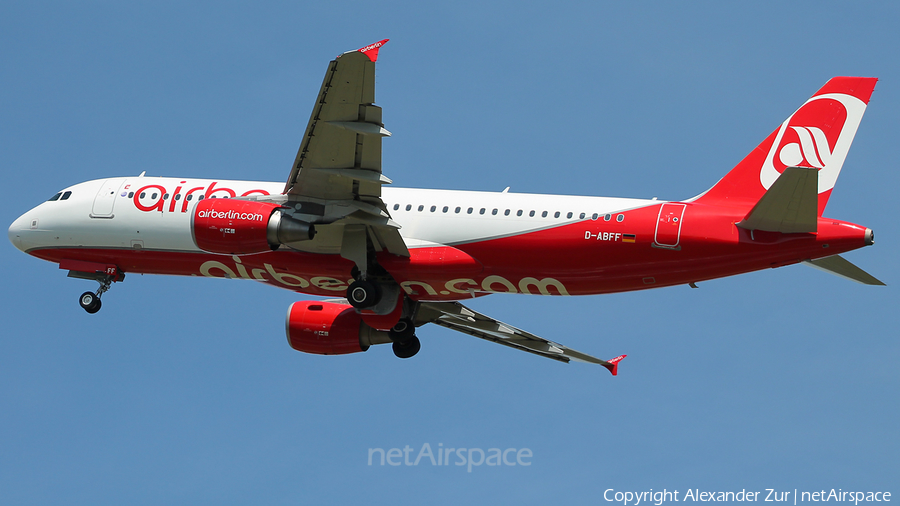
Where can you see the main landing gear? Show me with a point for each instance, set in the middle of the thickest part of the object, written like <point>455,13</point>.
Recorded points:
<point>363,294</point>
<point>376,294</point>
<point>403,334</point>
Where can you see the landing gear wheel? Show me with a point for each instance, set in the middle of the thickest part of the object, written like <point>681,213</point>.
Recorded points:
<point>363,294</point>
<point>402,331</point>
<point>408,348</point>
<point>89,302</point>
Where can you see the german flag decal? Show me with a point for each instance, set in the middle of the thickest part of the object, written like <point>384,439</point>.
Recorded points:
<point>628,237</point>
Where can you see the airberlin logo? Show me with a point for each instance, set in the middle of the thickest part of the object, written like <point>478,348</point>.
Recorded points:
<point>818,135</point>
<point>230,215</point>
<point>812,148</point>
<point>155,197</point>
<point>452,288</point>
<point>371,47</point>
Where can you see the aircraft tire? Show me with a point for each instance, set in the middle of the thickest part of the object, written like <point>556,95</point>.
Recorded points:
<point>402,331</point>
<point>89,302</point>
<point>363,294</point>
<point>407,349</point>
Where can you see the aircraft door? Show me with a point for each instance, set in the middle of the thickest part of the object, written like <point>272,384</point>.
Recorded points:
<point>106,198</point>
<point>668,226</point>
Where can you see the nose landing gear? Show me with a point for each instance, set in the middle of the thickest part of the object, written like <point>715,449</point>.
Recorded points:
<point>106,275</point>
<point>90,301</point>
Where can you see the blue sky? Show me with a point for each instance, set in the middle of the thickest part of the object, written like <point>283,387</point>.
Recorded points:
<point>185,391</point>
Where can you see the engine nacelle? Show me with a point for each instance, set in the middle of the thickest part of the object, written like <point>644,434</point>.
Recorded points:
<point>244,227</point>
<point>326,328</point>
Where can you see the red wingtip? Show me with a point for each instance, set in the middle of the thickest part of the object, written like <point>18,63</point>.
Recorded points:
<point>372,49</point>
<point>613,364</point>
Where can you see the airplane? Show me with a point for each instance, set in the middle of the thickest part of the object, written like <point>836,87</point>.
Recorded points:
<point>394,259</point>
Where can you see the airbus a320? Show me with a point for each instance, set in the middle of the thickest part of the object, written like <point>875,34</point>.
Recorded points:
<point>395,259</point>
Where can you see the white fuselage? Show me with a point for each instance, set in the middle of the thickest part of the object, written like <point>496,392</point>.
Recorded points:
<point>110,213</point>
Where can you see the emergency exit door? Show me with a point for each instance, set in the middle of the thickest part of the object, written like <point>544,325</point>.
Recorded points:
<point>106,198</point>
<point>668,225</point>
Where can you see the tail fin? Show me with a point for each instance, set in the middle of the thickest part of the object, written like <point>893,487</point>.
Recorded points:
<point>818,135</point>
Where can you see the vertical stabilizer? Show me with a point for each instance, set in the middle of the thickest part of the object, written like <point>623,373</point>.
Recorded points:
<point>818,135</point>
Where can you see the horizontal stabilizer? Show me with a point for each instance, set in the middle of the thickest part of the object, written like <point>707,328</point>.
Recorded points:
<point>789,205</point>
<point>839,265</point>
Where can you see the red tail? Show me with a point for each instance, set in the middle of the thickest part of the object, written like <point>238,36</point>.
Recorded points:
<point>817,135</point>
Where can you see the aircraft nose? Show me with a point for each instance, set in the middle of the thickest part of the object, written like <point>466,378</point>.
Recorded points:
<point>16,230</point>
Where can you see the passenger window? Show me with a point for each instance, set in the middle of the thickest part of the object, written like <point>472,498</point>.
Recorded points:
<point>55,197</point>
<point>470,210</point>
<point>433,208</point>
<point>457,210</point>
<point>65,195</point>
<point>155,194</point>
<point>556,214</point>
<point>506,213</point>
<point>189,197</point>
<point>581,216</point>
<point>177,196</point>
<point>519,212</point>
<point>494,212</point>
<point>569,215</point>
<point>408,207</point>
<point>166,196</point>
<point>130,194</point>
<point>595,216</point>
<point>481,211</point>
<point>396,206</point>
<point>620,217</point>
<point>201,197</point>
<point>531,214</point>
<point>421,208</point>
<point>544,214</point>
<point>607,217</point>
<point>445,209</point>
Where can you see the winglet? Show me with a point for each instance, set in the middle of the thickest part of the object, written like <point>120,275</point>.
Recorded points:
<point>372,49</point>
<point>613,364</point>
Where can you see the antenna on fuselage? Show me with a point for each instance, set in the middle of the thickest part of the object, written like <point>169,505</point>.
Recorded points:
<point>506,190</point>
<point>142,173</point>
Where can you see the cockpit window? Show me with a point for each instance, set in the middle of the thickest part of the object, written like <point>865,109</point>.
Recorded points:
<point>65,195</point>
<point>55,197</point>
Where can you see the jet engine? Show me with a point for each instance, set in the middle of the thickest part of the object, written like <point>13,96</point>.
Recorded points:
<point>326,328</point>
<point>244,227</point>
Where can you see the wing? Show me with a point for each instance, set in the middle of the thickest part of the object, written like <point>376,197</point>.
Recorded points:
<point>336,178</point>
<point>454,315</point>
